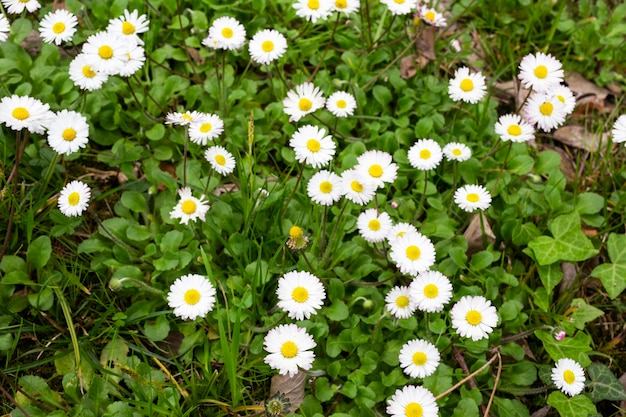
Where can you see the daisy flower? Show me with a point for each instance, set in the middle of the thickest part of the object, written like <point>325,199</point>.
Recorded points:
<point>68,131</point>
<point>185,118</point>
<point>377,166</point>
<point>466,86</point>
<point>569,376</point>
<point>511,127</point>
<point>191,296</point>
<point>297,239</point>
<point>413,401</point>
<point>267,46</point>
<point>540,71</point>
<point>373,227</point>
<point>399,302</point>
<point>58,26</point>
<point>74,198</point>
<point>346,6</point>
<point>205,127</point>
<point>546,111</point>
<point>18,6</point>
<point>312,10</point>
<point>431,291</point>
<point>472,197</point>
<point>289,348</point>
<point>565,96</point>
<point>455,151</point>
<point>425,154</point>
<point>619,129</point>
<point>300,294</point>
<point>313,146</point>
<point>225,33</point>
<point>5,28</point>
<point>413,253</point>
<point>341,104</point>
<point>220,159</point>
<point>133,61</point>
<point>106,51</point>
<point>431,16</point>
<point>84,76</point>
<point>419,358</point>
<point>24,112</point>
<point>325,188</point>
<point>129,26</point>
<point>304,100</point>
<point>398,230</point>
<point>189,207</point>
<point>400,7</point>
<point>357,188</point>
<point>474,317</point>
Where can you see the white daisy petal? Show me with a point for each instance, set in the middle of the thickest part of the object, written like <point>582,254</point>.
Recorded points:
<point>325,188</point>
<point>568,376</point>
<point>412,253</point>
<point>68,132</point>
<point>431,290</point>
<point>474,317</point>
<point>58,26</point>
<point>341,104</point>
<point>419,358</point>
<point>413,401</point>
<point>399,302</point>
<point>466,86</point>
<point>24,112</point>
<point>373,226</point>
<point>313,10</point>
<point>425,154</point>
<point>225,33</point>
<point>378,167</point>
<point>289,348</point>
<point>301,294</point>
<point>18,6</point>
<point>191,296</point>
<point>512,128</point>
<point>313,146</point>
<point>472,197</point>
<point>267,46</point>
<point>619,129</point>
<point>304,100</point>
<point>83,74</point>
<point>545,111</point>
<point>220,159</point>
<point>74,198</point>
<point>189,207</point>
<point>540,71</point>
<point>357,188</point>
<point>455,151</point>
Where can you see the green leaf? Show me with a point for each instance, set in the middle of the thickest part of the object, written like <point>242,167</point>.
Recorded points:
<point>575,348</point>
<point>42,300</point>
<point>510,408</point>
<point>568,243</point>
<point>467,407</point>
<point>589,203</point>
<point>134,201</point>
<point>138,232</point>
<point>550,276</point>
<point>338,311</point>
<point>613,275</point>
<point>37,386</point>
<point>12,263</point>
<point>603,384</point>
<point>39,251</point>
<point>576,406</point>
<point>584,313</point>
<point>158,330</point>
<point>118,409</point>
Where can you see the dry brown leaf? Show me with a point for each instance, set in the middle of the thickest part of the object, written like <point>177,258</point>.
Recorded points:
<point>570,271</point>
<point>291,387</point>
<point>474,234</point>
<point>578,137</point>
<point>407,65</point>
<point>622,380</point>
<point>425,43</point>
<point>513,89</point>
<point>195,55</point>
<point>542,412</point>
<point>589,96</point>
<point>225,188</point>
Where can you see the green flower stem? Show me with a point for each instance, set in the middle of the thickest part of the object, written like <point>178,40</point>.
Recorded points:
<point>321,61</point>
<point>420,206</point>
<point>334,231</point>
<point>185,146</point>
<point>506,157</point>
<point>72,331</point>
<point>293,192</point>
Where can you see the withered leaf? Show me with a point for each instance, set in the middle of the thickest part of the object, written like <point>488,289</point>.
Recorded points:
<point>578,137</point>
<point>290,387</point>
<point>474,234</point>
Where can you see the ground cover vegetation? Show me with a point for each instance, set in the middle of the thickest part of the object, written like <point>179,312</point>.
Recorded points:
<point>338,208</point>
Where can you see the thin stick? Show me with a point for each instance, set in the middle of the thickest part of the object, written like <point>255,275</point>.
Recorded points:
<point>467,378</point>
<point>495,385</point>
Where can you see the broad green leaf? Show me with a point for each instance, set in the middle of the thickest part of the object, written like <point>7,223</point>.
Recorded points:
<point>337,311</point>
<point>550,276</point>
<point>134,201</point>
<point>118,409</point>
<point>510,408</point>
<point>158,330</point>
<point>12,263</point>
<point>42,300</point>
<point>575,348</point>
<point>613,275</point>
<point>603,384</point>
<point>36,385</point>
<point>39,251</point>
<point>567,244</point>
<point>467,407</point>
<point>576,406</point>
<point>584,313</point>
<point>589,203</point>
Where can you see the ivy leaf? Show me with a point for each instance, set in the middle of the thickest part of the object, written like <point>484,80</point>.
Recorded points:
<point>576,406</point>
<point>613,275</point>
<point>604,385</point>
<point>568,243</point>
<point>550,276</point>
<point>584,313</point>
<point>575,347</point>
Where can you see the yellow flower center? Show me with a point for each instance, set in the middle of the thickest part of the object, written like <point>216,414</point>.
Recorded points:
<point>220,160</point>
<point>569,376</point>
<point>419,358</point>
<point>300,294</point>
<point>424,154</point>
<point>546,108</point>
<point>514,130</point>
<point>305,104</point>
<point>295,232</point>
<point>472,198</point>
<point>402,301</point>
<point>356,186</point>
<point>431,291</point>
<point>187,117</point>
<point>88,72</point>
<point>341,104</point>
<point>73,198</point>
<point>227,33</point>
<point>541,71</point>
<point>456,152</point>
<point>69,134</point>
<point>326,187</point>
<point>414,410</point>
<point>467,85</point>
<point>374,225</point>
<point>473,317</point>
<point>20,113</point>
<point>341,4</point>
<point>205,127</point>
<point>430,15</point>
<point>400,234</point>
<point>192,296</point>
<point>313,145</point>
<point>561,99</point>
<point>105,52</point>
<point>188,207</point>
<point>375,170</point>
<point>128,28</point>
<point>399,1</point>
<point>313,4</point>
<point>267,46</point>
<point>58,27</point>
<point>289,349</point>
<point>413,252</point>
